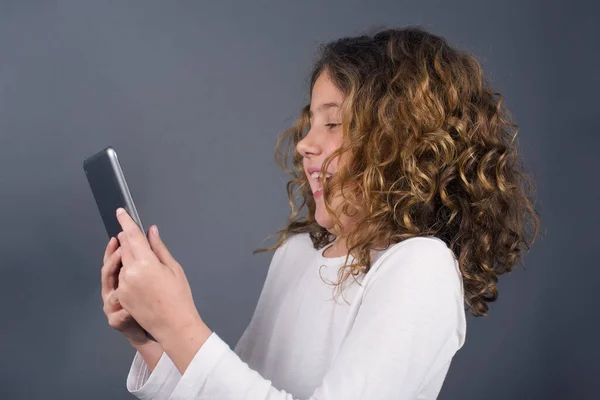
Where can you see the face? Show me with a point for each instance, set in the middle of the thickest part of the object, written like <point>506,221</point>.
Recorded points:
<point>323,138</point>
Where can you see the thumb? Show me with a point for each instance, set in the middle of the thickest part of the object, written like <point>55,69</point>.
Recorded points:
<point>159,248</point>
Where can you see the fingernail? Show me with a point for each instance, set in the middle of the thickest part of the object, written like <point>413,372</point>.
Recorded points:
<point>120,211</point>
<point>155,230</point>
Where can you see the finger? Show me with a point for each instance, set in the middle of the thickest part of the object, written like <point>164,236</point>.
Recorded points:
<point>113,297</point>
<point>159,248</point>
<point>108,273</point>
<point>127,255</point>
<point>112,303</point>
<point>118,319</point>
<point>110,248</point>
<point>137,240</point>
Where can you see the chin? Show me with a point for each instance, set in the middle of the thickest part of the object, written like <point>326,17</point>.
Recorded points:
<point>324,222</point>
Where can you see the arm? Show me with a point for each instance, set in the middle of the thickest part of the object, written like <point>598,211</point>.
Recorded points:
<point>150,352</point>
<point>405,333</point>
<point>146,381</point>
<point>152,374</point>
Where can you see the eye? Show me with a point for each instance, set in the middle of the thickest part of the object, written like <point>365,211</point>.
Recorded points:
<point>332,125</point>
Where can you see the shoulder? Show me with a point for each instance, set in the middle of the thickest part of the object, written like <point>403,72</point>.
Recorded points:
<point>418,284</point>
<point>426,248</point>
<point>419,260</point>
<point>294,249</point>
<point>294,243</point>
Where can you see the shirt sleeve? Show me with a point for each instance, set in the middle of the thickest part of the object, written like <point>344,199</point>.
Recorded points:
<point>157,384</point>
<point>160,382</point>
<point>406,331</point>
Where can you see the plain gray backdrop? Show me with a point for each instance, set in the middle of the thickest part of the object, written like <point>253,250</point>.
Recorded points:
<point>193,94</point>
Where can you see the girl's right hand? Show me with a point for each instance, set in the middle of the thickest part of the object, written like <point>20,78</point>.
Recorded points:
<point>118,317</point>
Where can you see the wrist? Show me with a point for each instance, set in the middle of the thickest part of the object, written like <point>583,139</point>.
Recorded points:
<point>150,351</point>
<point>182,342</point>
<point>136,344</point>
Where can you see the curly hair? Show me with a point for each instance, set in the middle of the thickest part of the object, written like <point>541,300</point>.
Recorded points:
<point>431,151</point>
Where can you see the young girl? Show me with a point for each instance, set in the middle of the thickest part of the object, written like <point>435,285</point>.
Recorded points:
<point>415,202</point>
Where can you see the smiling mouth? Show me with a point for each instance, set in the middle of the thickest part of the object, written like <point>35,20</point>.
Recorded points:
<point>319,187</point>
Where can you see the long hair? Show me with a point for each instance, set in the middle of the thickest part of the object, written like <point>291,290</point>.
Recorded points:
<point>432,152</point>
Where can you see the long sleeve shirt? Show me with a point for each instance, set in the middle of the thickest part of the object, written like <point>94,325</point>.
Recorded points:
<point>390,335</point>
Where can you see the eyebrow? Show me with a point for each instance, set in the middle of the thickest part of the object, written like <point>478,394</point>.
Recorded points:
<point>323,107</point>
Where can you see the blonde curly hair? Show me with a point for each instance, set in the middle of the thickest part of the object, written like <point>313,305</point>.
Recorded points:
<point>432,152</point>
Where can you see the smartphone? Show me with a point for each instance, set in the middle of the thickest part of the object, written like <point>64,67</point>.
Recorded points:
<point>110,190</point>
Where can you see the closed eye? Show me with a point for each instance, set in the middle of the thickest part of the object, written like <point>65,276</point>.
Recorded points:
<point>331,125</point>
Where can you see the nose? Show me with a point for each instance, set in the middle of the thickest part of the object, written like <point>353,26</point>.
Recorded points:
<point>307,146</point>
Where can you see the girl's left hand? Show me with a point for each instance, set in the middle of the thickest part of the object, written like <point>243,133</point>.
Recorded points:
<point>152,285</point>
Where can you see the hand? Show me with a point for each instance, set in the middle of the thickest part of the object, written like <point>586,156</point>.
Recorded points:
<point>118,318</point>
<point>152,284</point>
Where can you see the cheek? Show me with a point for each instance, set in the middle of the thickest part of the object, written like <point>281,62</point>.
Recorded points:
<point>337,139</point>
<point>331,147</point>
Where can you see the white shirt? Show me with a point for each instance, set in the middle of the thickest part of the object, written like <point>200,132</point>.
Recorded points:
<point>394,338</point>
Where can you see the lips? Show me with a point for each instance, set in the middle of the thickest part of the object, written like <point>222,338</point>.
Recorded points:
<point>314,176</point>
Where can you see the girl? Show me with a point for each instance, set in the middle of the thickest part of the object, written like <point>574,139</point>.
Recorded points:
<point>415,202</point>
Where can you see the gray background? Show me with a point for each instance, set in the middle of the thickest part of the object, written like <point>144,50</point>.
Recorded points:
<point>193,95</point>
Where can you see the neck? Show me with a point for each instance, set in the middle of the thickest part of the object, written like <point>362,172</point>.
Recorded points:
<point>337,249</point>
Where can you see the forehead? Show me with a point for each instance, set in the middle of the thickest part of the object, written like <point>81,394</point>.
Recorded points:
<point>325,95</point>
